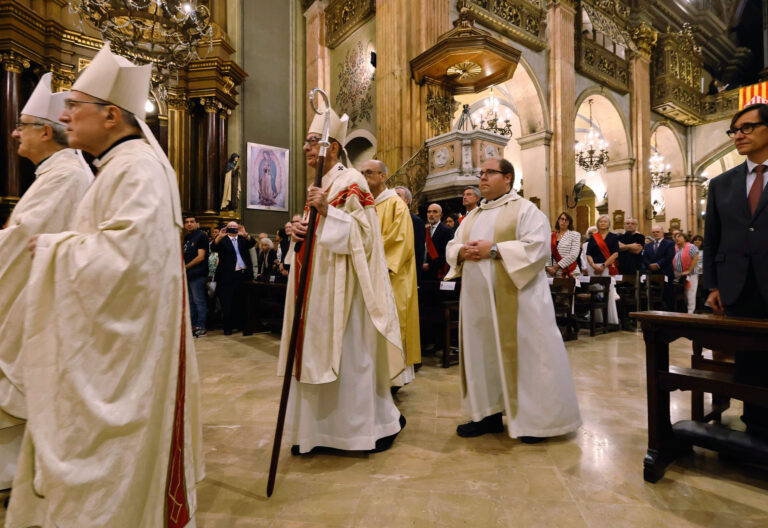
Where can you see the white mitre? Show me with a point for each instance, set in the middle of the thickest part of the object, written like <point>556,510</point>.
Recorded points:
<point>43,104</point>
<point>337,128</point>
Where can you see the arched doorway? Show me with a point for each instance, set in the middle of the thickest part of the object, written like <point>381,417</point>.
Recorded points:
<point>672,202</point>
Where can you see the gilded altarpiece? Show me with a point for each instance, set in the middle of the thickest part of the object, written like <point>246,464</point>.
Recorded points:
<point>676,77</point>
<point>602,44</point>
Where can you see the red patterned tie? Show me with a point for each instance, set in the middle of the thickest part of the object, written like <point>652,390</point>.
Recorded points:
<point>757,189</point>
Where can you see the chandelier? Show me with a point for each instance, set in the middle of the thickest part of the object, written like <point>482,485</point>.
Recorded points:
<point>490,121</point>
<point>592,152</point>
<point>660,173</point>
<point>166,33</point>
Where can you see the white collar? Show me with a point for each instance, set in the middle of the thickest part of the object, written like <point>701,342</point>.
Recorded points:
<point>385,194</point>
<point>751,165</point>
<point>498,202</point>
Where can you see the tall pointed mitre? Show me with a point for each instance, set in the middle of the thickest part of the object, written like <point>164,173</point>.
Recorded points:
<point>337,128</point>
<point>43,104</point>
<point>117,80</point>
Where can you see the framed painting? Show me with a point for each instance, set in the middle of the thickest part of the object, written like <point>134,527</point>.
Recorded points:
<point>267,177</point>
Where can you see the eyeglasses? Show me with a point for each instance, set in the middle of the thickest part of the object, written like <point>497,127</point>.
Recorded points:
<point>746,129</point>
<point>71,104</point>
<point>490,172</point>
<point>312,141</point>
<point>370,172</point>
<point>20,125</point>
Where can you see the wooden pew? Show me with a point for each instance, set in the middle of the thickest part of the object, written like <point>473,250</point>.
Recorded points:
<point>264,306</point>
<point>666,441</point>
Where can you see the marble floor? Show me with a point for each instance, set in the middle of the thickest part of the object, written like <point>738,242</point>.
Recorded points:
<point>433,478</point>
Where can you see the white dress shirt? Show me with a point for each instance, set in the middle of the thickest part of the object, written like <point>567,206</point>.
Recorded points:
<point>751,175</point>
<point>240,262</point>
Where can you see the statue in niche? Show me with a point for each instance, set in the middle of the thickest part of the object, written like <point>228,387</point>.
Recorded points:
<point>230,196</point>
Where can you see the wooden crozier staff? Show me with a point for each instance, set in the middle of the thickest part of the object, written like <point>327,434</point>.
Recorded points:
<point>308,248</point>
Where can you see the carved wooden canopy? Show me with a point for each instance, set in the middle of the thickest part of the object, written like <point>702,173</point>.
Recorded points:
<point>466,59</point>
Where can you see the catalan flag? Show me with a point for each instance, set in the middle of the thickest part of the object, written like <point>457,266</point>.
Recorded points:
<point>754,94</point>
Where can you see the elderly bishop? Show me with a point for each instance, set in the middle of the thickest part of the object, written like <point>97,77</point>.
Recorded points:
<point>113,437</point>
<point>397,235</point>
<point>61,179</point>
<point>340,393</point>
<point>512,356</point>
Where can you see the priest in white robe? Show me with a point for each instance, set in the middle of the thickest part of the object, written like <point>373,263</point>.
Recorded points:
<point>512,357</point>
<point>61,179</point>
<point>113,437</point>
<point>340,393</point>
<point>397,236</point>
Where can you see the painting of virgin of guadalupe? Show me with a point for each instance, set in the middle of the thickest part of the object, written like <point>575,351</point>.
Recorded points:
<point>267,177</point>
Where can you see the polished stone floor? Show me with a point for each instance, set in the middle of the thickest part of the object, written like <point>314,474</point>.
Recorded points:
<point>433,478</point>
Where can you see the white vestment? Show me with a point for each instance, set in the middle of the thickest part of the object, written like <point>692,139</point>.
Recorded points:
<point>46,207</point>
<point>113,436</point>
<point>342,399</point>
<point>541,401</point>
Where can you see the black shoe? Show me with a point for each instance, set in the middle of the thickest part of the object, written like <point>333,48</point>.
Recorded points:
<point>382,444</point>
<point>489,424</point>
<point>227,332</point>
<point>531,439</point>
<point>394,390</point>
<point>296,450</point>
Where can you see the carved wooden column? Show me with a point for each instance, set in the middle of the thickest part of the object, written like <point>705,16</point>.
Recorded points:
<point>10,106</point>
<point>562,77</point>
<point>222,150</point>
<point>640,124</point>
<point>211,193</point>
<point>179,139</point>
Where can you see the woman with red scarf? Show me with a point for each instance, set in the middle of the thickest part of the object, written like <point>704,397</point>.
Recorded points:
<point>602,254</point>
<point>565,249</point>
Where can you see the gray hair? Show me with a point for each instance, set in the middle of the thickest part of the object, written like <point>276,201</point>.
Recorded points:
<point>268,241</point>
<point>59,134</point>
<point>476,191</point>
<point>382,167</point>
<point>610,222</point>
<point>406,192</point>
<point>592,229</point>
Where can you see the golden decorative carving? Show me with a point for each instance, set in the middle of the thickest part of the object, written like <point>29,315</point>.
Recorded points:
<point>522,20</point>
<point>618,219</point>
<point>342,17</point>
<point>464,70</point>
<point>601,65</point>
<point>413,175</point>
<point>62,78</point>
<point>645,38</point>
<point>82,63</point>
<point>13,62</point>
<point>440,110</point>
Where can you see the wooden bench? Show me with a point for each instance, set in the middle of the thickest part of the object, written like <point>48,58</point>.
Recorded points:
<point>439,318</point>
<point>264,306</point>
<point>666,441</point>
<point>562,290</point>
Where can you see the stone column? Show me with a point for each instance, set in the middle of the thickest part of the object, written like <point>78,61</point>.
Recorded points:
<point>211,194</point>
<point>318,55</point>
<point>10,106</point>
<point>534,157</point>
<point>562,78</point>
<point>179,139</point>
<point>676,200</point>
<point>223,137</point>
<point>640,124</point>
<point>618,180</point>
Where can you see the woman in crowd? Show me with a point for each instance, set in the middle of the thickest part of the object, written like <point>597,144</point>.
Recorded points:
<point>265,262</point>
<point>451,222</point>
<point>583,257</point>
<point>565,248</point>
<point>684,263</point>
<point>602,253</point>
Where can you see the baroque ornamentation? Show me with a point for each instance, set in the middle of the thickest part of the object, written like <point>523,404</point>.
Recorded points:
<point>342,17</point>
<point>465,70</point>
<point>13,62</point>
<point>355,93</point>
<point>645,38</point>
<point>520,20</point>
<point>440,110</point>
<point>412,175</point>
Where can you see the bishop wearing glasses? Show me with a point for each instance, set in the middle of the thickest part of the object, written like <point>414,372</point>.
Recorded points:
<point>512,358</point>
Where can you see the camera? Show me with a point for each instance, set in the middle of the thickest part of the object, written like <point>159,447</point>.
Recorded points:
<point>232,230</point>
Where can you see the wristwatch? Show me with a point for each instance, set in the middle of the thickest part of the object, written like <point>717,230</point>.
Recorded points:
<point>494,252</point>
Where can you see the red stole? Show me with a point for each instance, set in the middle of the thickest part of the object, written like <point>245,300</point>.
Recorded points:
<point>567,272</point>
<point>612,269</point>
<point>433,254</point>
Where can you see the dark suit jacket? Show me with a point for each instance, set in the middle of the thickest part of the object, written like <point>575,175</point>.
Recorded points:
<point>268,267</point>
<point>663,257</point>
<point>225,271</point>
<point>734,238</point>
<point>440,239</point>
<point>419,239</point>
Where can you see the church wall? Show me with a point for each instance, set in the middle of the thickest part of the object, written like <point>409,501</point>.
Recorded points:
<point>266,56</point>
<point>709,138</point>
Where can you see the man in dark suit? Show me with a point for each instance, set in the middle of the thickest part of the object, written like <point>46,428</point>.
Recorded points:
<point>235,268</point>
<point>658,258</point>
<point>736,245</point>
<point>419,230</point>
<point>438,235</point>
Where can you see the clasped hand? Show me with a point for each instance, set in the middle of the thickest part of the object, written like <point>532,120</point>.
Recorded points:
<point>476,250</point>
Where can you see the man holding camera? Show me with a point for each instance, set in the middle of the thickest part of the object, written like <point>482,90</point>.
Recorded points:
<point>235,267</point>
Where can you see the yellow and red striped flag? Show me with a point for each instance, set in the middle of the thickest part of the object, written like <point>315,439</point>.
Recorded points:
<point>754,94</point>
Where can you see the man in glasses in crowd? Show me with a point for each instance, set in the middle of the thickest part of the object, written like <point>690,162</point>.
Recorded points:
<point>736,246</point>
<point>500,250</point>
<point>61,179</point>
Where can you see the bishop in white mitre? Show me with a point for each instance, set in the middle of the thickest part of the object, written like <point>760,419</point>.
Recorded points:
<point>512,357</point>
<point>61,179</point>
<point>113,437</point>
<point>340,393</point>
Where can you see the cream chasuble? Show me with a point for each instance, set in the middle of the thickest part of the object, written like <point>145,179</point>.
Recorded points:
<point>113,436</point>
<point>397,235</point>
<point>515,360</point>
<point>47,207</point>
<point>342,397</point>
